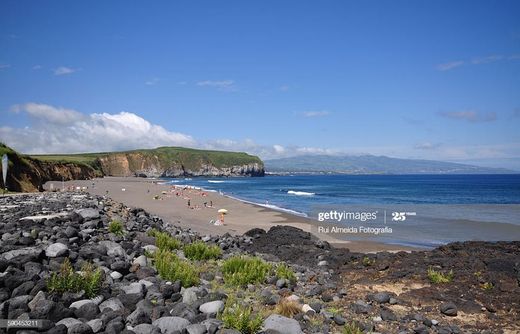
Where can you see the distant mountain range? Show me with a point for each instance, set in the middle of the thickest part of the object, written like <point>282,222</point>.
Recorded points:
<point>371,164</point>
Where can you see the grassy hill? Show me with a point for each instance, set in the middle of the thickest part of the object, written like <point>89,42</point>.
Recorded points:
<point>174,161</point>
<point>29,172</point>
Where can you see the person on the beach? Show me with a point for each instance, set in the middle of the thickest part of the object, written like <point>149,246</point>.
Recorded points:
<point>189,203</point>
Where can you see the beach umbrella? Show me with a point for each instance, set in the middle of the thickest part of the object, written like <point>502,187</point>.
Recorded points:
<point>224,211</point>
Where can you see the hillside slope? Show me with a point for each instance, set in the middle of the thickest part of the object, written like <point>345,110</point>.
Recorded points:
<point>371,164</point>
<point>167,162</point>
<point>26,174</point>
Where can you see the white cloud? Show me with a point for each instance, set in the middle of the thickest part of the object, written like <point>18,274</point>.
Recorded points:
<point>284,88</point>
<point>450,65</point>
<point>426,146</point>
<point>226,85</point>
<point>64,70</point>
<point>59,130</point>
<point>476,61</point>
<point>279,149</point>
<point>2,66</point>
<point>320,113</point>
<point>37,67</point>
<point>47,113</point>
<point>152,82</point>
<point>487,59</point>
<point>471,116</point>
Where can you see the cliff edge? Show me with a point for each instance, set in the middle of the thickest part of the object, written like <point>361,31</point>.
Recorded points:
<point>29,173</point>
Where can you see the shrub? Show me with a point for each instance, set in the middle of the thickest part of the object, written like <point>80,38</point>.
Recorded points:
<point>242,270</point>
<point>241,318</point>
<point>171,268</point>
<point>91,279</point>
<point>487,286</point>
<point>116,227</point>
<point>152,232</point>
<point>200,251</point>
<point>288,308</point>
<point>166,242</point>
<point>352,328</point>
<point>67,280</point>
<point>367,262</point>
<point>334,310</point>
<point>437,277</point>
<point>284,271</point>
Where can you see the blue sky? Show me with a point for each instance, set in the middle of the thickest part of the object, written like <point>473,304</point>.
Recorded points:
<point>413,79</point>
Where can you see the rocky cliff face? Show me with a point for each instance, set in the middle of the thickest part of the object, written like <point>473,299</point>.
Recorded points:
<point>27,174</point>
<point>136,164</point>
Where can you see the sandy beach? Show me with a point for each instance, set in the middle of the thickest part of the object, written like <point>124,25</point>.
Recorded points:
<point>171,204</point>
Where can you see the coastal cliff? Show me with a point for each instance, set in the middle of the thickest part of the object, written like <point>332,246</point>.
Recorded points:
<point>29,173</point>
<point>178,162</point>
<point>26,174</point>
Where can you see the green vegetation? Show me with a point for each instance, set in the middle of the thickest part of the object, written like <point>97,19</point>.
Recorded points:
<point>165,241</point>
<point>487,286</point>
<point>352,328</point>
<point>334,310</point>
<point>193,158</point>
<point>200,251</point>
<point>171,268</point>
<point>368,262</point>
<point>4,149</point>
<point>66,279</point>
<point>284,271</point>
<point>152,232</point>
<point>240,317</point>
<point>116,227</point>
<point>167,156</point>
<point>438,277</point>
<point>242,270</point>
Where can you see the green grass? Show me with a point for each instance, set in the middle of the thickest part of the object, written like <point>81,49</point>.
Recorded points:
<point>67,280</point>
<point>116,227</point>
<point>200,251</point>
<point>188,157</point>
<point>164,241</point>
<point>240,317</point>
<point>284,271</point>
<point>438,277</point>
<point>352,328</point>
<point>171,268</point>
<point>152,232</point>
<point>243,270</point>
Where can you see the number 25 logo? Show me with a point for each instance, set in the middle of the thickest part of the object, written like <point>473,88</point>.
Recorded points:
<point>398,216</point>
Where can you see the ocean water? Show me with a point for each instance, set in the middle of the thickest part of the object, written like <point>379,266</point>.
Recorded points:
<point>438,208</point>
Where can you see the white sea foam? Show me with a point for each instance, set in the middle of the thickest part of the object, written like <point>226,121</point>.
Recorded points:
<point>270,206</point>
<point>300,193</point>
<point>216,181</point>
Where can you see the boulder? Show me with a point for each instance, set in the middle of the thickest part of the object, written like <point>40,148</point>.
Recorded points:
<point>212,307</point>
<point>171,325</point>
<point>56,249</point>
<point>282,324</point>
<point>449,309</point>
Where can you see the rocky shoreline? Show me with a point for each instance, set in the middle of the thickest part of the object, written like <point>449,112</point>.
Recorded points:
<point>327,290</point>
